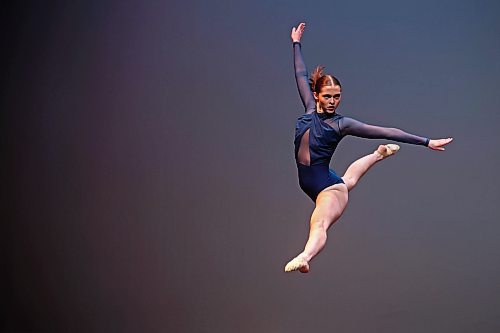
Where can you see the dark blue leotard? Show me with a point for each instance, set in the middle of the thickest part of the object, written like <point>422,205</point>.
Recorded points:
<point>318,134</point>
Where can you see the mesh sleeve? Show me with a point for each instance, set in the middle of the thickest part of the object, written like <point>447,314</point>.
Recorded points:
<point>302,79</point>
<point>349,126</point>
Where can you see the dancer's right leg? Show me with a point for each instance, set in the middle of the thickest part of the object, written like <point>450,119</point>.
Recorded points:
<point>330,205</point>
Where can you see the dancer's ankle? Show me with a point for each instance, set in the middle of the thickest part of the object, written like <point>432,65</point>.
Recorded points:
<point>304,256</point>
<point>378,156</point>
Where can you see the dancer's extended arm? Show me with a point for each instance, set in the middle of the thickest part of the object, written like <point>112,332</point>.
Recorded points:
<point>301,76</point>
<point>349,126</point>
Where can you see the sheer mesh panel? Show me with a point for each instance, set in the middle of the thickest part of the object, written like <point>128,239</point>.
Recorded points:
<point>357,128</point>
<point>303,156</point>
<point>333,124</point>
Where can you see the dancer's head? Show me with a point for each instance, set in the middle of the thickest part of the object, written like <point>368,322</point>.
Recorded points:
<point>326,89</point>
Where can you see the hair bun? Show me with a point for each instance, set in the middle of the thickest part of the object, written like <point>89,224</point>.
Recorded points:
<point>315,75</point>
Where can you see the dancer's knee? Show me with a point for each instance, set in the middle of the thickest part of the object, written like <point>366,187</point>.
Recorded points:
<point>350,182</point>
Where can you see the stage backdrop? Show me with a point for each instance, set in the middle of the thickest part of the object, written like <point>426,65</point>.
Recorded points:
<point>150,183</point>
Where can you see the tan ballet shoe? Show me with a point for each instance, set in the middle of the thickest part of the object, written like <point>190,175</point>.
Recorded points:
<point>387,150</point>
<point>299,264</point>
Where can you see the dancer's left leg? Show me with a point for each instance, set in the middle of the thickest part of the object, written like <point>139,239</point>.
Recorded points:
<point>359,167</point>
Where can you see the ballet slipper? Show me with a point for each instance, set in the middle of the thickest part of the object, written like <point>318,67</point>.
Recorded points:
<point>387,150</point>
<point>297,263</point>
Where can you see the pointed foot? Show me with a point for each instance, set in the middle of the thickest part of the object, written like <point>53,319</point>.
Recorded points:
<point>299,264</point>
<point>387,150</point>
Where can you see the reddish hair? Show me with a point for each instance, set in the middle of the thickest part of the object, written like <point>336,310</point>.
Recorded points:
<point>318,80</point>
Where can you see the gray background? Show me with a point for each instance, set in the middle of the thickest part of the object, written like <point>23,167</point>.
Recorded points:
<point>150,180</point>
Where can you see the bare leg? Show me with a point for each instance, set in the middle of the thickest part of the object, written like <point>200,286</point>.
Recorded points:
<point>359,167</point>
<point>330,204</point>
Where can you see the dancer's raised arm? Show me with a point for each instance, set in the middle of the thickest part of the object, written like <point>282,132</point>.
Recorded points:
<point>301,76</point>
<point>353,127</point>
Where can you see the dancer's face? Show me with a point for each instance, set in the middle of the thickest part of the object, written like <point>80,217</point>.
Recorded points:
<point>328,98</point>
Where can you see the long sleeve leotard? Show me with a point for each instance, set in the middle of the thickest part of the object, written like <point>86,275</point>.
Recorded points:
<point>318,134</point>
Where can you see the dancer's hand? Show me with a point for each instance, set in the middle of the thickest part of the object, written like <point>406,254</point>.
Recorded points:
<point>297,32</point>
<point>439,143</point>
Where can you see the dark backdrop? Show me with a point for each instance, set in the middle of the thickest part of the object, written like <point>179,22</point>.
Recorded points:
<point>150,185</point>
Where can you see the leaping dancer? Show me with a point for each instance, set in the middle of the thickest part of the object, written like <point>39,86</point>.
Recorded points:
<point>317,134</point>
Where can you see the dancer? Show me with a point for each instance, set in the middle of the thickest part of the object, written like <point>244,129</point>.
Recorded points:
<point>317,135</point>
